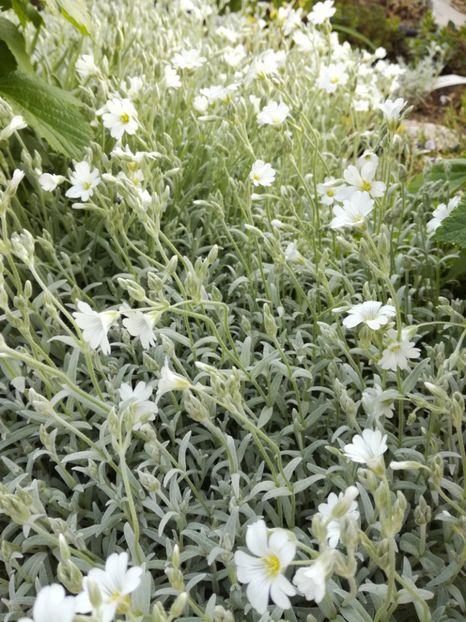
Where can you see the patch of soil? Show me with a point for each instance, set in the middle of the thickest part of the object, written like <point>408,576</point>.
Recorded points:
<point>440,105</point>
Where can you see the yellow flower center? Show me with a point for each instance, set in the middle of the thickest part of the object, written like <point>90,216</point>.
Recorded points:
<point>256,177</point>
<point>124,118</point>
<point>330,193</point>
<point>395,347</point>
<point>366,186</point>
<point>87,185</point>
<point>276,119</point>
<point>334,80</point>
<point>272,565</point>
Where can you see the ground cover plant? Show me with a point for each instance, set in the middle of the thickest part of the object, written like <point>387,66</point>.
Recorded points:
<point>232,354</point>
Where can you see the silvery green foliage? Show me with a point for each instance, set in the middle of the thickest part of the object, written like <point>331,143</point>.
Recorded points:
<point>258,384</point>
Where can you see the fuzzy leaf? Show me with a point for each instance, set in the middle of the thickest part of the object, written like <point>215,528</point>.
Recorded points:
<point>453,228</point>
<point>14,40</point>
<point>52,112</point>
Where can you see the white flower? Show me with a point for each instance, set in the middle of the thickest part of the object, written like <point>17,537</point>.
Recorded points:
<point>262,173</point>
<point>227,33</point>
<point>321,11</point>
<point>16,179</point>
<point>138,400</point>
<point>398,352</point>
<point>441,212</point>
<point>311,580</point>
<point>171,78</point>
<point>17,123</point>
<point>83,181</point>
<point>336,510</point>
<point>332,76</point>
<point>377,402</point>
<point>273,114</point>
<point>85,66</point>
<point>119,116</point>
<point>392,109</point>
<point>200,103</point>
<point>49,182</point>
<point>115,583</point>
<point>368,448</point>
<point>303,42</point>
<point>264,572</point>
<point>218,93</point>
<point>141,325</point>
<point>362,179</point>
<point>354,211</point>
<point>366,158</point>
<point>52,605</point>
<point>255,103</point>
<point>327,191</point>
<point>289,19</point>
<point>234,56</point>
<point>188,59</point>
<point>170,381</point>
<point>292,254</point>
<point>95,325</point>
<point>372,313</point>
<point>267,64</point>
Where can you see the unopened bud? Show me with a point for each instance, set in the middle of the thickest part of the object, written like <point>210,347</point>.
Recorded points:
<point>269,322</point>
<point>178,606</point>
<point>135,291</point>
<point>422,512</point>
<point>70,575</point>
<point>158,613</point>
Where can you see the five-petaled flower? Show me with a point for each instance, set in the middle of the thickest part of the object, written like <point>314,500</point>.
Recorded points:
<point>371,312</point>
<point>264,573</point>
<point>115,584</point>
<point>83,181</point>
<point>262,173</point>
<point>119,116</point>
<point>94,325</point>
<point>367,448</point>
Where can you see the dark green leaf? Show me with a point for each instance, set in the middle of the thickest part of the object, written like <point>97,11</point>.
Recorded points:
<point>26,12</point>
<point>10,34</point>
<point>52,112</point>
<point>8,60</point>
<point>453,228</point>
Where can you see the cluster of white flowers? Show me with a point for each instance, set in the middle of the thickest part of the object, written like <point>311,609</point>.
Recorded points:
<point>270,137</point>
<point>105,592</point>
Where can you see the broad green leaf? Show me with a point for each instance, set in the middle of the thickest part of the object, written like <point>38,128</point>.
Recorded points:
<point>26,12</point>
<point>8,60</point>
<point>75,11</point>
<point>452,171</point>
<point>453,228</point>
<point>10,34</point>
<point>52,112</point>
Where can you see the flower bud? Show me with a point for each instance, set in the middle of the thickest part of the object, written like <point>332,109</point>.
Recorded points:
<point>222,615</point>
<point>135,291</point>
<point>269,322</point>
<point>70,575</point>
<point>149,482</point>
<point>422,512</point>
<point>175,578</point>
<point>158,613</point>
<point>178,606</point>
<point>94,593</point>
